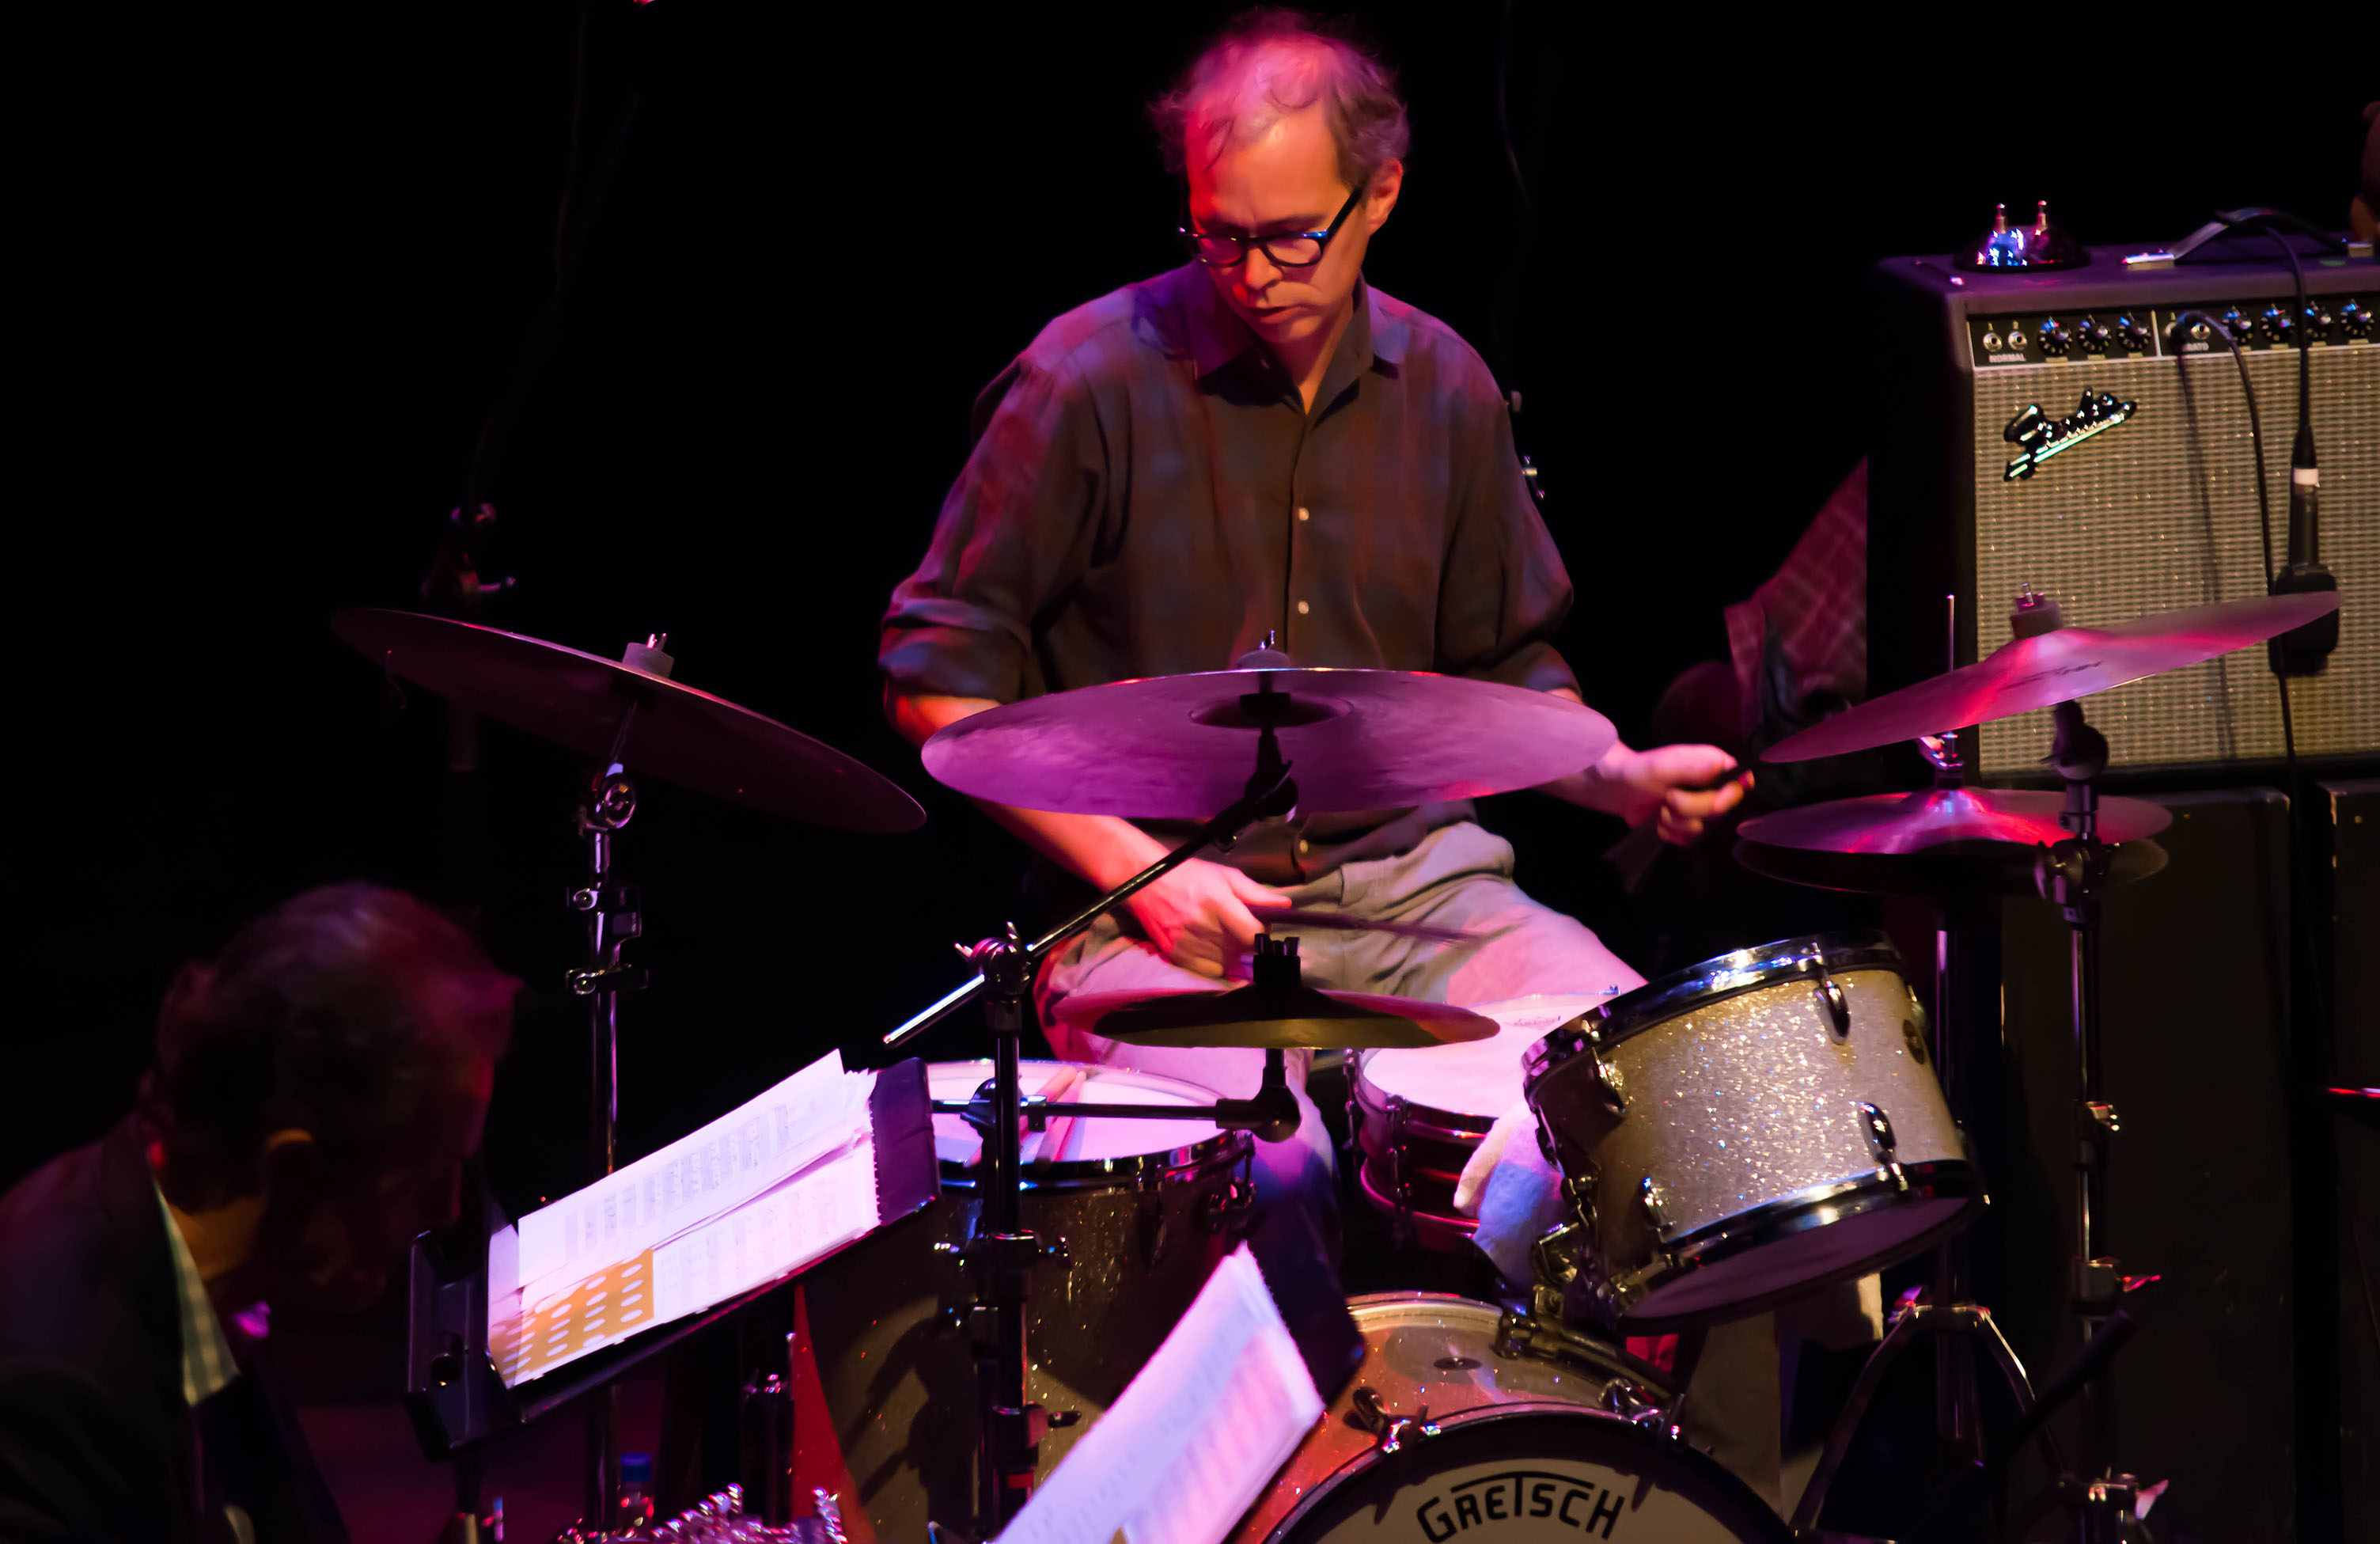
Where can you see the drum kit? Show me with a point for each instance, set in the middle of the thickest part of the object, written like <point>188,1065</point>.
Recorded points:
<point>1751,1129</point>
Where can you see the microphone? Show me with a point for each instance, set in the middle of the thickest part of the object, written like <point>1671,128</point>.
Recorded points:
<point>2304,651</point>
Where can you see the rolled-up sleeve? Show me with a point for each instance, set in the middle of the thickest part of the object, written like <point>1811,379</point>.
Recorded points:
<point>1504,592</point>
<point>1013,534</point>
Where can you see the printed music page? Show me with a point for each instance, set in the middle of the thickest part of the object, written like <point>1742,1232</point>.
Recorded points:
<point>1196,1437</point>
<point>754,1196</point>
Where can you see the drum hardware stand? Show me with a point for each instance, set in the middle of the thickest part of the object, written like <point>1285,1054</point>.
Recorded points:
<point>1002,1254</point>
<point>2072,875</point>
<point>1943,1310</point>
<point>614,916</point>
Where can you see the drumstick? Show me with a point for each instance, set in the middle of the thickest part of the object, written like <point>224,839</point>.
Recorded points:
<point>1290,916</point>
<point>1059,1089</point>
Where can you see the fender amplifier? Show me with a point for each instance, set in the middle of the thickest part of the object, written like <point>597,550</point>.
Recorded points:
<point>2144,500</point>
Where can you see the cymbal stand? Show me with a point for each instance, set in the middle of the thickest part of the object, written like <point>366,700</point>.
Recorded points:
<point>614,916</point>
<point>2072,875</point>
<point>1944,1310</point>
<point>1002,1254</point>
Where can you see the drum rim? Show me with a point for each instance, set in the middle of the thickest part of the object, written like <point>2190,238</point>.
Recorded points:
<point>1424,1120</point>
<point>1224,1148</point>
<point>1713,980</point>
<point>1648,1439</point>
<point>1789,1216</point>
<point>1653,1380</point>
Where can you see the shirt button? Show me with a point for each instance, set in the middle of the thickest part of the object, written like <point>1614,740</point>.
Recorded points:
<point>1304,846</point>
<point>1303,608</point>
<point>1305,514</point>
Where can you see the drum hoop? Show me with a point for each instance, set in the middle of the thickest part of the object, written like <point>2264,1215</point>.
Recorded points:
<point>1647,1440</point>
<point>1219,1151</point>
<point>1421,1120</point>
<point>1819,1205</point>
<point>1712,982</point>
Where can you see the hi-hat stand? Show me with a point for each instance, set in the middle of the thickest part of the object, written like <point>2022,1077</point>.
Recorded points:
<point>1001,1255</point>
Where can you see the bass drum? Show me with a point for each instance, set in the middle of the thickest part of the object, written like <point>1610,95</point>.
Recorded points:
<point>1528,1436</point>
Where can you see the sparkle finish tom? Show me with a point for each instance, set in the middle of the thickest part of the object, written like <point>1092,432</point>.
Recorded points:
<point>1419,1114</point>
<point>1146,1209</point>
<point>1530,1432</point>
<point>1745,1130</point>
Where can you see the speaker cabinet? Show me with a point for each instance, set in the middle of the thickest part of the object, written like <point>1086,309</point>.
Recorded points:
<point>2195,1008</point>
<point>2155,511</point>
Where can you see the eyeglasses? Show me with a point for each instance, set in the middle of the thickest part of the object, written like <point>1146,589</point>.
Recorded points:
<point>1289,249</point>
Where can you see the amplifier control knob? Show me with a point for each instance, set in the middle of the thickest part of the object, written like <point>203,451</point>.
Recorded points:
<point>2091,335</point>
<point>2276,323</point>
<point>2355,321</point>
<point>2242,329</point>
<point>2053,338</point>
<point>2131,334</point>
<point>2317,324</point>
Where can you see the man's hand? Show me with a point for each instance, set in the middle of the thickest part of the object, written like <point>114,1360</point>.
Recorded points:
<point>1199,918</point>
<point>1681,785</point>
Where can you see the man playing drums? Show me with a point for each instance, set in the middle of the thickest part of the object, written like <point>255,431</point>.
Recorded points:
<point>1258,442</point>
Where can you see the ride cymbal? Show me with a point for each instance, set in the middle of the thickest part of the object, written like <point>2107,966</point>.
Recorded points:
<point>1182,746</point>
<point>1288,1018</point>
<point>2059,665</point>
<point>678,734</point>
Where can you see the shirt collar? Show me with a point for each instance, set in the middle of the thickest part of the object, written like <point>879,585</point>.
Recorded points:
<point>1217,336</point>
<point>207,1364</point>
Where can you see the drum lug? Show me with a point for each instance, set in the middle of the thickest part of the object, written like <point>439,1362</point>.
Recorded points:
<point>1876,1130</point>
<point>1649,1196</point>
<point>1829,992</point>
<point>1401,1232</point>
<point>1389,1430</point>
<point>1223,1210</point>
<point>1609,1083</point>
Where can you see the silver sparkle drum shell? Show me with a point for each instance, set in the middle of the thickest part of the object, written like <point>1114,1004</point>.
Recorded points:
<point>1742,1140</point>
<point>1146,1209</point>
<point>1531,1436</point>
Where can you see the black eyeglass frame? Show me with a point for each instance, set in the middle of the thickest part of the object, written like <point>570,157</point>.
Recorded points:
<point>1191,237</point>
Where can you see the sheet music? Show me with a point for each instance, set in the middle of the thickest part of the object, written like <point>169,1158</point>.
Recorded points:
<point>767,1189</point>
<point>701,1176</point>
<point>1194,1437</point>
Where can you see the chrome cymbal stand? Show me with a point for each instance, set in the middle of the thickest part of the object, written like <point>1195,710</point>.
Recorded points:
<point>2072,875</point>
<point>1945,1310</point>
<point>1002,1253</point>
<point>614,916</point>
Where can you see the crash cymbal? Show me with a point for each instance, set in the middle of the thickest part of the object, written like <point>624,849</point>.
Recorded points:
<point>1953,870</point>
<point>2057,667</point>
<point>1931,817</point>
<point>679,734</point>
<point>1182,746</point>
<point>1287,1017</point>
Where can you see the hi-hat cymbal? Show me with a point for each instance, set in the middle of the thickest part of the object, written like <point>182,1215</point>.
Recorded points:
<point>1182,746</point>
<point>1931,817</point>
<point>2057,667</point>
<point>1289,1018</point>
<point>679,734</point>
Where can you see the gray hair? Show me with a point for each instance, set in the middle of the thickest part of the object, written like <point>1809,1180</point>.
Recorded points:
<point>1273,62</point>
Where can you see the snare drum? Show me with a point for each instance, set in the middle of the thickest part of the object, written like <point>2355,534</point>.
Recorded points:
<point>1144,1209</point>
<point>1760,1125</point>
<point>1419,1114</point>
<point>1529,1432</point>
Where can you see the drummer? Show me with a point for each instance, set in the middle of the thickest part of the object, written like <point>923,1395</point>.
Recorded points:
<point>1261,441</point>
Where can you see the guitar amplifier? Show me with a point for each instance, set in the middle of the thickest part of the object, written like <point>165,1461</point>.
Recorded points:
<point>2143,498</point>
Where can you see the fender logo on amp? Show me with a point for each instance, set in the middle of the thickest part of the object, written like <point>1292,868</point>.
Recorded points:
<point>2039,438</point>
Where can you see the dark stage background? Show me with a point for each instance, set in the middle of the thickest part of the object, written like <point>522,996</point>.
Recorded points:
<point>275,269</point>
